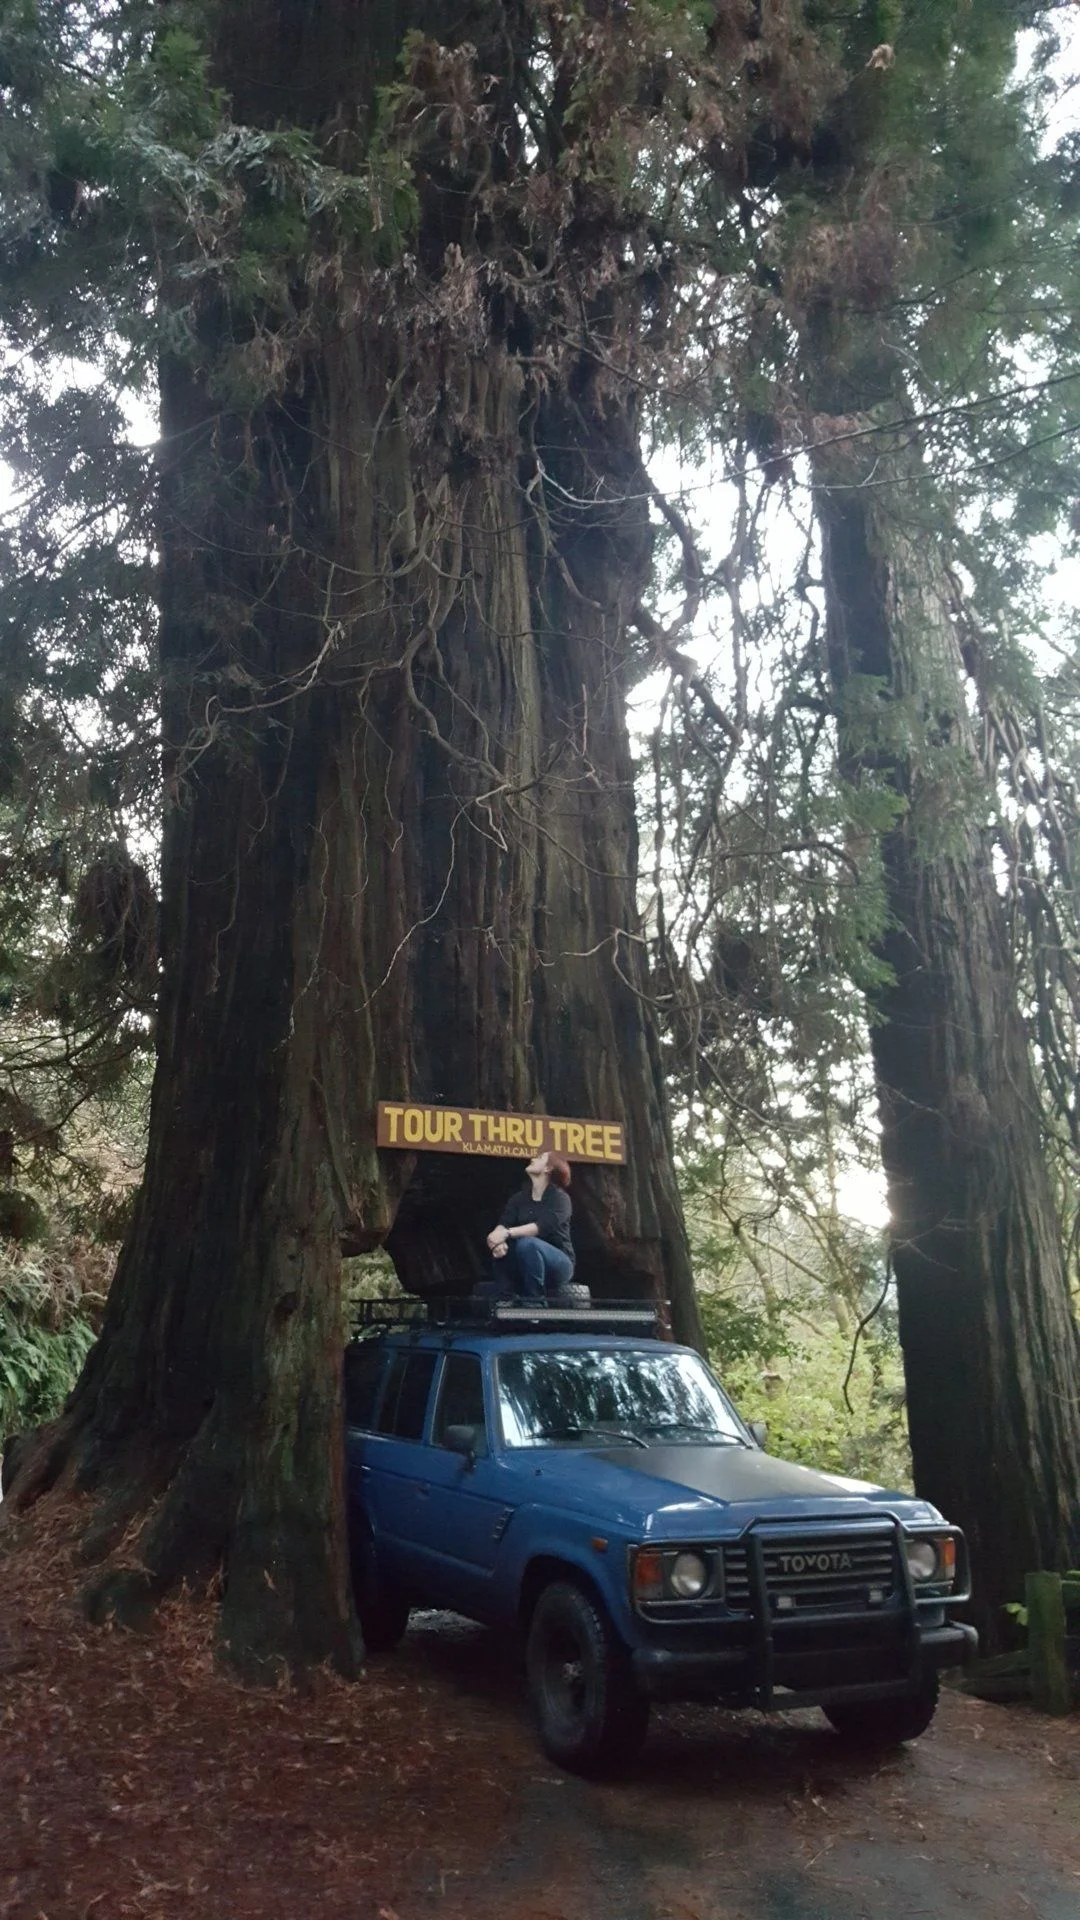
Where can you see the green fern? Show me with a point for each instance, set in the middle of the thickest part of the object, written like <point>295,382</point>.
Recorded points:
<point>45,1335</point>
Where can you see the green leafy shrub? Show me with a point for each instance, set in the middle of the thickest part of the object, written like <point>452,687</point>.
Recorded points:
<point>739,1332</point>
<point>800,1395</point>
<point>785,1282</point>
<point>49,1305</point>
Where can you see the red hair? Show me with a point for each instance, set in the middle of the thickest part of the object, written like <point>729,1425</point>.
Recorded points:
<point>558,1171</point>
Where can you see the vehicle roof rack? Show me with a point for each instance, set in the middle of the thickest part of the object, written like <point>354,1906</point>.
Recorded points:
<point>451,1315</point>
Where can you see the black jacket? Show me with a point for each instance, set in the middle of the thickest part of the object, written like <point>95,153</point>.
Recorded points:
<point>550,1215</point>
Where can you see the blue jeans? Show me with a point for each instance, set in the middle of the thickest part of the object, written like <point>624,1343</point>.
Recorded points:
<point>535,1267</point>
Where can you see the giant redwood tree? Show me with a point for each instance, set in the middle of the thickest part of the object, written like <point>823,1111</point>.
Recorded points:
<point>987,1325</point>
<point>903,373</point>
<point>411,270</point>
<point>986,1322</point>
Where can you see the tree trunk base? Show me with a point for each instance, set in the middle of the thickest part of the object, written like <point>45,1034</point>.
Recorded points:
<point>175,1526</point>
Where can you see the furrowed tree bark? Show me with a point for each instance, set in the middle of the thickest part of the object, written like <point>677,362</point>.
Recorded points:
<point>550,994</point>
<point>986,1323</point>
<point>399,859</point>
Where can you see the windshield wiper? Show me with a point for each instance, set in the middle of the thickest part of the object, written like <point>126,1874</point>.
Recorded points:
<point>603,1433</point>
<point>699,1433</point>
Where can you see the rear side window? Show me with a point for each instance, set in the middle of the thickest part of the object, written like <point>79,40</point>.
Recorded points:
<point>405,1396</point>
<point>364,1366</point>
<point>461,1398</point>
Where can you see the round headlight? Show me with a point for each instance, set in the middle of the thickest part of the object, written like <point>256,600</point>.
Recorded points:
<point>689,1575</point>
<point>922,1559</point>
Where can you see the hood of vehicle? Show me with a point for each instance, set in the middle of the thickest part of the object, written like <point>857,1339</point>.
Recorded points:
<point>669,1490</point>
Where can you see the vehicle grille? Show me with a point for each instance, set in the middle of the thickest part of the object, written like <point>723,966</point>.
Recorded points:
<point>820,1571</point>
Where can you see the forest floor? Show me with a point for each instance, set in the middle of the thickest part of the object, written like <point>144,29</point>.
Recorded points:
<point>135,1780</point>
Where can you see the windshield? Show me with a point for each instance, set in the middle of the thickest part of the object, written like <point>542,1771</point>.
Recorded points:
<point>583,1396</point>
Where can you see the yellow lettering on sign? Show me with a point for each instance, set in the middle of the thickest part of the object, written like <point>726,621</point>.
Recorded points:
<point>415,1124</point>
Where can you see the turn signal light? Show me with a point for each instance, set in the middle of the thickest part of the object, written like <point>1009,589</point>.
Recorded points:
<point>648,1574</point>
<point>947,1558</point>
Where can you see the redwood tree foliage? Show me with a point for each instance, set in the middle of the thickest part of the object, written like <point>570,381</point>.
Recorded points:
<point>898,297</point>
<point>987,1326</point>
<point>408,277</point>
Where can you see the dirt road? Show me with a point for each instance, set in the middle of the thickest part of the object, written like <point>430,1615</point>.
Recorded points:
<point>138,1783</point>
<point>734,1817</point>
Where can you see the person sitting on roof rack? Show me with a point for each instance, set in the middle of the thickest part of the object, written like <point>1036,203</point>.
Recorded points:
<point>533,1234</point>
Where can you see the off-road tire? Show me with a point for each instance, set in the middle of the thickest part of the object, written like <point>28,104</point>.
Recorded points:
<point>572,1295</point>
<point>590,1713</point>
<point>886,1723</point>
<point>381,1610</point>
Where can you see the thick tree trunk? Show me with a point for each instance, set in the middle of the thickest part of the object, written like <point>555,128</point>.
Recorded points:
<point>399,859</point>
<point>530,983</point>
<point>989,1339</point>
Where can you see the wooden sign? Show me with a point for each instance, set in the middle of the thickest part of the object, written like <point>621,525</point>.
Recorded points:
<point>507,1136</point>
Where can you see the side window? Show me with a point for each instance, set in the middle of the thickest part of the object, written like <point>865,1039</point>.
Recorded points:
<point>461,1398</point>
<point>405,1397</point>
<point>364,1365</point>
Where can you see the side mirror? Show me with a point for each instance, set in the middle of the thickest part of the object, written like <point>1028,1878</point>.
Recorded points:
<point>461,1440</point>
<point>760,1431</point>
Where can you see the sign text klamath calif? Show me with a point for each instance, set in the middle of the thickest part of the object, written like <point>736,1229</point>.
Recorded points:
<point>506,1135</point>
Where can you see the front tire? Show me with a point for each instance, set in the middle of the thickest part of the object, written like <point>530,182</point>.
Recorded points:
<point>382,1612</point>
<point>590,1713</point>
<point>887,1723</point>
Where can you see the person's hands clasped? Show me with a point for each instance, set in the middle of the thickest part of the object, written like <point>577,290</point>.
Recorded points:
<point>498,1240</point>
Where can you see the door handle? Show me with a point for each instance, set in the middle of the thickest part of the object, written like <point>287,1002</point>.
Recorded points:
<point>422,1490</point>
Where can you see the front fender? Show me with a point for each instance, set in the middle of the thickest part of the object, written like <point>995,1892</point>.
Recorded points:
<point>539,1533</point>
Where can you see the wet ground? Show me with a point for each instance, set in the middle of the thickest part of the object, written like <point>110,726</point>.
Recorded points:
<point>137,1782</point>
<point>739,1817</point>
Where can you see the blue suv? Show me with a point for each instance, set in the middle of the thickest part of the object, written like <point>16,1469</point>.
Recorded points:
<point>574,1481</point>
